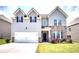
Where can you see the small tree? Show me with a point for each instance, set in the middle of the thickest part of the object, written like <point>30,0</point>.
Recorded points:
<point>55,41</point>
<point>63,40</point>
<point>7,40</point>
<point>70,41</point>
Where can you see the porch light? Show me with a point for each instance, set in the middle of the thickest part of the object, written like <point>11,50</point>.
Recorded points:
<point>38,16</point>
<point>25,15</point>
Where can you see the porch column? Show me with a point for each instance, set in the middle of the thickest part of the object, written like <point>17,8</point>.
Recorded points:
<point>56,35</point>
<point>60,34</point>
<point>49,34</point>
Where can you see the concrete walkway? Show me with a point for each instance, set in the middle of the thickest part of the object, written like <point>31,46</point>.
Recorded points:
<point>18,48</point>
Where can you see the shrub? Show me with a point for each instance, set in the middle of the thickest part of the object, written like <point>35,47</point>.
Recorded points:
<point>70,41</point>
<point>55,41</point>
<point>7,40</point>
<point>63,40</point>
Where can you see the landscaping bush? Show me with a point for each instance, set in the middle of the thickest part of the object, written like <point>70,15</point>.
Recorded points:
<point>7,40</point>
<point>55,41</point>
<point>70,41</point>
<point>63,40</point>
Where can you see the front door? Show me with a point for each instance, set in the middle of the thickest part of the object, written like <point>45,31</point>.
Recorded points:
<point>45,36</point>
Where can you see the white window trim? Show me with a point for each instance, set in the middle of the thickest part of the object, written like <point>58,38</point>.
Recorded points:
<point>33,19</point>
<point>58,21</point>
<point>60,34</point>
<point>56,34</point>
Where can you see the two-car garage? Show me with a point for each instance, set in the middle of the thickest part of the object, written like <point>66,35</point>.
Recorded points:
<point>27,37</point>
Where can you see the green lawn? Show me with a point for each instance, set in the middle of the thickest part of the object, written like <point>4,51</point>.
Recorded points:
<point>2,41</point>
<point>57,48</point>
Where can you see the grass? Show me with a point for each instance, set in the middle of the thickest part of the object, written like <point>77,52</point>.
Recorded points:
<point>58,48</point>
<point>2,41</point>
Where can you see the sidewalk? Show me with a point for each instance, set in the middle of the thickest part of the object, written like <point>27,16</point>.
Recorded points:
<point>18,48</point>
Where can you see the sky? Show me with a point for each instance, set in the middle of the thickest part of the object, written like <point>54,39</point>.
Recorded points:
<point>71,7</point>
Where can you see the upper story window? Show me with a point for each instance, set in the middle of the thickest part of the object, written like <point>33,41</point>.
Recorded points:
<point>45,22</point>
<point>55,21</point>
<point>19,18</point>
<point>59,22</point>
<point>69,29</point>
<point>33,18</point>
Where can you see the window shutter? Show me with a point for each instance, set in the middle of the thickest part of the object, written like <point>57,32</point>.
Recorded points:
<point>30,19</point>
<point>21,18</point>
<point>54,35</point>
<point>17,18</point>
<point>35,18</point>
<point>58,35</point>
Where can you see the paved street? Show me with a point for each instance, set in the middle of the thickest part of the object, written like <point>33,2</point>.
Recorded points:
<point>18,48</point>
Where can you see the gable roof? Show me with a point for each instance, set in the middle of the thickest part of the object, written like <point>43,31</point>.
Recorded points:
<point>32,9</point>
<point>58,8</point>
<point>19,9</point>
<point>74,21</point>
<point>2,17</point>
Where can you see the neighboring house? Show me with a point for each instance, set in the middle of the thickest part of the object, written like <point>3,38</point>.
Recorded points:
<point>49,26</point>
<point>5,27</point>
<point>73,30</point>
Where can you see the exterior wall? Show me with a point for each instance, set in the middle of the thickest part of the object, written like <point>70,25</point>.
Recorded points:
<point>5,29</point>
<point>74,32</point>
<point>36,26</point>
<point>21,27</point>
<point>57,15</point>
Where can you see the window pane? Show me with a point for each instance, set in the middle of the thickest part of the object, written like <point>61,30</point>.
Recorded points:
<point>55,22</point>
<point>21,18</point>
<point>58,35</point>
<point>61,34</point>
<point>33,18</point>
<point>69,29</point>
<point>60,22</point>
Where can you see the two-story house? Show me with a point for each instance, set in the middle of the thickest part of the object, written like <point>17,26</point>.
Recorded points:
<point>49,26</point>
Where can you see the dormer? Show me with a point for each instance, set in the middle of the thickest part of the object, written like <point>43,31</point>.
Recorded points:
<point>33,15</point>
<point>19,12</point>
<point>59,10</point>
<point>32,12</point>
<point>57,17</point>
<point>19,15</point>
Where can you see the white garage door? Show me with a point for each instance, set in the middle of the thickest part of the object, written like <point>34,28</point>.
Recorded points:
<point>29,37</point>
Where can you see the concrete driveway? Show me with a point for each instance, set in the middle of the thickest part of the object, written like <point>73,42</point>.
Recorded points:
<point>18,48</point>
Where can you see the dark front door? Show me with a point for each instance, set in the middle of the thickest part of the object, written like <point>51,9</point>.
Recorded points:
<point>44,37</point>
